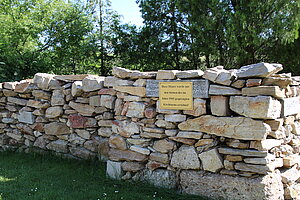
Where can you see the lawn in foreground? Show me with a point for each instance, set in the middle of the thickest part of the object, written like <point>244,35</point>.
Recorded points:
<point>45,177</point>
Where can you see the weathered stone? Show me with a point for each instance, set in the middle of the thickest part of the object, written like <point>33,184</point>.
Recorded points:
<point>92,83</point>
<point>204,142</point>
<point>10,85</point>
<point>190,134</point>
<point>273,91</point>
<point>219,75</point>
<point>58,98</point>
<point>185,158</point>
<point>233,158</point>
<point>111,81</point>
<point>279,81</point>
<point>260,107</point>
<point>187,141</point>
<point>70,78</point>
<point>120,155</point>
<point>9,93</point>
<point>42,80</point>
<point>132,98</point>
<point>240,83</point>
<point>267,144</point>
<point>24,86</point>
<point>166,74</point>
<point>15,135</point>
<point>164,146</point>
<point>228,165</point>
<point>107,101</point>
<point>253,82</point>
<point>17,101</point>
<point>164,124</point>
<point>291,106</point>
<point>248,129</point>
<point>77,89</point>
<point>117,142</point>
<point>136,109</point>
<point>275,124</point>
<point>259,169</point>
<point>290,175</point>
<point>260,161</point>
<point>132,166</point>
<point>140,149</point>
<point>218,186</point>
<point>153,165</point>
<point>291,160</point>
<point>95,100</point>
<point>136,91</point>
<point>83,109</point>
<point>219,105</point>
<point>200,87</point>
<point>211,160</point>
<point>40,94</point>
<point>58,146</point>
<point>150,112</point>
<point>189,74</point>
<point>56,128</point>
<point>83,133</point>
<point>258,70</point>
<point>292,191</point>
<point>160,178</point>
<point>199,108</point>
<point>125,73</point>
<point>81,152</point>
<point>139,141</point>
<point>223,90</point>
<point>175,118</point>
<point>54,112</point>
<point>104,132</point>
<point>125,128</point>
<point>159,157</point>
<point>26,117</point>
<point>78,121</point>
<point>38,104</point>
<point>242,152</point>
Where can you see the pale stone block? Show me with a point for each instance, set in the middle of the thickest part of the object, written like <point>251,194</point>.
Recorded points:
<point>136,91</point>
<point>107,101</point>
<point>258,70</point>
<point>211,160</point>
<point>114,170</point>
<point>223,90</point>
<point>185,158</point>
<point>190,134</point>
<point>273,91</point>
<point>136,109</point>
<point>26,117</point>
<point>166,74</point>
<point>199,108</point>
<point>175,118</point>
<point>219,105</point>
<point>95,100</point>
<point>291,106</point>
<point>140,149</point>
<point>92,83</point>
<point>189,74</point>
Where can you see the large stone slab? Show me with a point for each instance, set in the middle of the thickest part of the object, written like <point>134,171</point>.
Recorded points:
<point>217,186</point>
<point>185,158</point>
<point>273,91</point>
<point>223,90</point>
<point>211,160</point>
<point>92,83</point>
<point>219,105</point>
<point>160,178</point>
<point>290,106</point>
<point>114,169</point>
<point>258,70</point>
<point>58,146</point>
<point>26,117</point>
<point>70,78</point>
<point>42,80</point>
<point>189,74</point>
<point>242,152</point>
<point>136,91</point>
<point>56,128</point>
<point>260,107</point>
<point>132,74</point>
<point>200,87</point>
<point>232,127</point>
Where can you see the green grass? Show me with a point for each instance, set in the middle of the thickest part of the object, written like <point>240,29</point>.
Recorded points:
<point>38,177</point>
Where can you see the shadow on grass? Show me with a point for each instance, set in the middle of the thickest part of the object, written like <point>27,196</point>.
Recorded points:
<point>38,177</point>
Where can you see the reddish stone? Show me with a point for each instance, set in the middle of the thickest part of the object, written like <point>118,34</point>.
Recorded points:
<point>39,127</point>
<point>108,91</point>
<point>153,165</point>
<point>77,121</point>
<point>21,87</point>
<point>150,112</point>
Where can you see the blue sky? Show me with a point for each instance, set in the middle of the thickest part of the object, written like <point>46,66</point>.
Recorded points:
<point>129,10</point>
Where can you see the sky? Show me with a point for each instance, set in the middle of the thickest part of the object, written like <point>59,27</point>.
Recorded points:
<point>129,10</point>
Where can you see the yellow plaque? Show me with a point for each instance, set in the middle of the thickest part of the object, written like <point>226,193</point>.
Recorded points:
<point>176,95</point>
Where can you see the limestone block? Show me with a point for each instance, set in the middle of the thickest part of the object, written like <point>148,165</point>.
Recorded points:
<point>40,94</point>
<point>175,118</point>
<point>95,100</point>
<point>114,170</point>
<point>132,74</point>
<point>166,74</point>
<point>218,186</point>
<point>164,124</point>
<point>189,74</point>
<point>273,91</point>
<point>260,161</point>
<point>139,149</point>
<point>42,80</point>
<point>83,109</point>
<point>242,152</point>
<point>199,108</point>
<point>253,82</point>
<point>54,112</point>
<point>160,178</point>
<point>77,89</point>
<point>292,191</point>
<point>121,155</point>
<point>136,91</point>
<point>159,157</point>
<point>26,117</point>
<point>291,160</point>
<point>92,83</point>
<point>204,142</point>
<point>275,124</point>
<point>17,101</point>
<point>111,81</point>
<point>136,109</point>
<point>139,141</point>
<point>56,128</point>
<point>219,105</point>
<point>107,101</point>
<point>186,141</point>
<point>267,144</point>
<point>132,98</point>
<point>291,106</point>
<point>58,98</point>
<point>105,132</point>
<point>164,146</point>
<point>249,129</point>
<point>223,90</point>
<point>211,160</point>
<point>190,134</point>
<point>153,165</point>
<point>259,169</point>
<point>185,158</point>
<point>260,107</point>
<point>117,142</point>
<point>258,70</point>
<point>83,133</point>
<point>132,166</point>
<point>282,82</point>
<point>58,146</point>
<point>140,83</point>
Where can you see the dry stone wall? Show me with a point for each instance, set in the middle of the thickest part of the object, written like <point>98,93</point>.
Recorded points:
<point>240,141</point>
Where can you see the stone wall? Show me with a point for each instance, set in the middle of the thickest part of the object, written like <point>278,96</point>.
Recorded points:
<point>240,141</point>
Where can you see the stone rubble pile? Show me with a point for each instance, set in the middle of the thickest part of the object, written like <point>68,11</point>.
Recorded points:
<point>243,131</point>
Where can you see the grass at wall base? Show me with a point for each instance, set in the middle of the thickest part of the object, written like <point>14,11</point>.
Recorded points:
<point>46,177</point>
